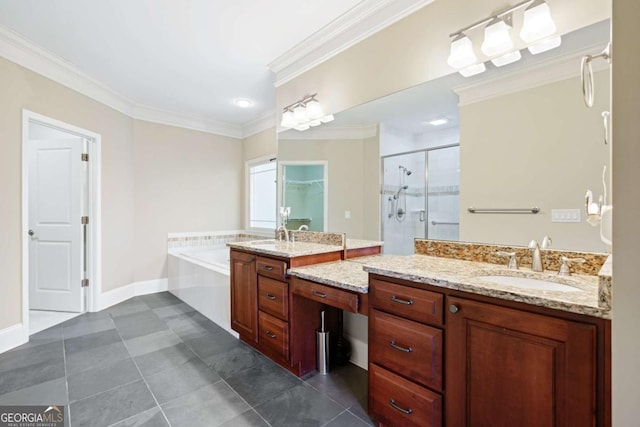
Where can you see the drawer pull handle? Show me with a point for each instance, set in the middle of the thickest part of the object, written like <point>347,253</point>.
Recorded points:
<point>401,301</point>
<point>267,267</point>
<point>399,347</point>
<point>393,403</point>
<point>270,334</point>
<point>269,296</point>
<point>318,294</point>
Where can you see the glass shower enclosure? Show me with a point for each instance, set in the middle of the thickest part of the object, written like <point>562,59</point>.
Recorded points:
<point>420,197</point>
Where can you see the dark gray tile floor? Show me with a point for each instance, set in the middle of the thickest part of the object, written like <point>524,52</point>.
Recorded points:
<point>154,361</point>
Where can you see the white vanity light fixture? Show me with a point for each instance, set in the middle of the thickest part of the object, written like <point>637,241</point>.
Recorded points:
<point>497,37</point>
<point>303,114</point>
<point>538,32</point>
<point>461,54</point>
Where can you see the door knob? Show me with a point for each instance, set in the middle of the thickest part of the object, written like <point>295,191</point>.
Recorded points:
<point>31,233</point>
<point>453,309</point>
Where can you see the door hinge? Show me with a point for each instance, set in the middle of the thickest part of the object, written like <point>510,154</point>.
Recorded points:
<point>84,157</point>
<point>84,220</point>
<point>84,283</point>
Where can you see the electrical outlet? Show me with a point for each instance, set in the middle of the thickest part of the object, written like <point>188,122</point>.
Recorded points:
<point>565,215</point>
<point>347,214</point>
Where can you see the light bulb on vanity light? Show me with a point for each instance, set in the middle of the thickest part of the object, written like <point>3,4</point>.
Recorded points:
<point>287,120</point>
<point>300,114</point>
<point>461,54</point>
<point>473,70</point>
<point>509,58</point>
<point>327,119</point>
<point>545,45</point>
<point>497,40</point>
<point>314,110</point>
<point>537,23</point>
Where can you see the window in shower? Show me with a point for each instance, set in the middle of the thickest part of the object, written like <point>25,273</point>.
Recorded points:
<point>262,194</point>
<point>420,197</point>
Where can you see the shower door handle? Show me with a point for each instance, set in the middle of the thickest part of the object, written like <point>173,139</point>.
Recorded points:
<point>422,216</point>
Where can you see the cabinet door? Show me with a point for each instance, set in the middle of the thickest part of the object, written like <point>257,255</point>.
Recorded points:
<point>511,368</point>
<point>244,295</point>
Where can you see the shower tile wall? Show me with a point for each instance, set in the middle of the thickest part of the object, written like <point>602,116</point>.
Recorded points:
<point>442,190</point>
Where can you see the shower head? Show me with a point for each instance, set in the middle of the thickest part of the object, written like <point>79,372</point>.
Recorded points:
<point>405,170</point>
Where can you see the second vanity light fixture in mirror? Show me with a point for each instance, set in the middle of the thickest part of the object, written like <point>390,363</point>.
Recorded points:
<point>538,31</point>
<point>303,114</point>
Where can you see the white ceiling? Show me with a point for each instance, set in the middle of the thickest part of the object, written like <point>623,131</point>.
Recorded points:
<point>188,56</point>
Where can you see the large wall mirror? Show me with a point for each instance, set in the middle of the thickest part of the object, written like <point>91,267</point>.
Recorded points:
<point>519,136</point>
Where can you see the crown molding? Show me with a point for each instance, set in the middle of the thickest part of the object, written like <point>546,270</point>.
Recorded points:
<point>552,70</point>
<point>331,133</point>
<point>29,55</point>
<point>357,24</point>
<point>264,122</point>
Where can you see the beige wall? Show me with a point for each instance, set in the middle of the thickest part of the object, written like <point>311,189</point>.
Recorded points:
<point>260,145</point>
<point>414,50</point>
<point>184,181</point>
<point>539,147</point>
<point>626,229</point>
<point>20,89</point>
<point>346,176</point>
<point>155,179</point>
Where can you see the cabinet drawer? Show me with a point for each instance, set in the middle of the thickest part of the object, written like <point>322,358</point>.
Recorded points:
<point>395,401</point>
<point>415,304</point>
<point>325,294</point>
<point>273,333</point>
<point>273,297</point>
<point>273,268</point>
<point>408,348</point>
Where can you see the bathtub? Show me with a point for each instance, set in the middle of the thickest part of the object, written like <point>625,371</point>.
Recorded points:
<point>200,277</point>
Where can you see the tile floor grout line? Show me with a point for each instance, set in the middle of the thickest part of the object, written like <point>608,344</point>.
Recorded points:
<point>104,391</point>
<point>251,408</point>
<point>328,422</point>
<point>143,379</point>
<point>132,416</point>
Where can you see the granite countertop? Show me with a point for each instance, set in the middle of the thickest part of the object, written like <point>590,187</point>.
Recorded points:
<point>340,274</point>
<point>463,276</point>
<point>460,275</point>
<point>284,249</point>
<point>359,243</point>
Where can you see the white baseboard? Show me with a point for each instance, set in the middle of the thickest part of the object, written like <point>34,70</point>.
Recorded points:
<point>123,293</point>
<point>13,336</point>
<point>359,352</point>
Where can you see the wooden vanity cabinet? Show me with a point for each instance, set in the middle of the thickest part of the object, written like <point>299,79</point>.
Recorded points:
<point>471,360</point>
<point>509,367</point>
<point>244,292</point>
<point>261,305</point>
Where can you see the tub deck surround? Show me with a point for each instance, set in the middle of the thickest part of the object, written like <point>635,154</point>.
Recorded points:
<point>283,249</point>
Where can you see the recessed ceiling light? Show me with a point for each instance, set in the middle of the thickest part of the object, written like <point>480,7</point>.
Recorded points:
<point>243,102</point>
<point>438,122</point>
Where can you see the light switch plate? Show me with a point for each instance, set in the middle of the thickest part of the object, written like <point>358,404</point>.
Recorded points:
<point>565,215</point>
<point>347,214</point>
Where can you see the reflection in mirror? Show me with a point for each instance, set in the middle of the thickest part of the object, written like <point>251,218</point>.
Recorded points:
<point>525,138</point>
<point>303,195</point>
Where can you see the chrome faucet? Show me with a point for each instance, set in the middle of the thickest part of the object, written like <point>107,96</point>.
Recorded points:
<point>284,231</point>
<point>536,262</point>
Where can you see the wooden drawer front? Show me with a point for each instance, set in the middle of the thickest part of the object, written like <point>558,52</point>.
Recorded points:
<point>273,333</point>
<point>415,304</point>
<point>271,268</point>
<point>326,294</point>
<point>395,401</point>
<point>408,348</point>
<point>273,297</point>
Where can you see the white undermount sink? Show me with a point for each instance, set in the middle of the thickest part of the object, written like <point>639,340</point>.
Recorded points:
<point>527,283</point>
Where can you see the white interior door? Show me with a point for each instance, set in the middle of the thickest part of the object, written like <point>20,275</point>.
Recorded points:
<point>55,244</point>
